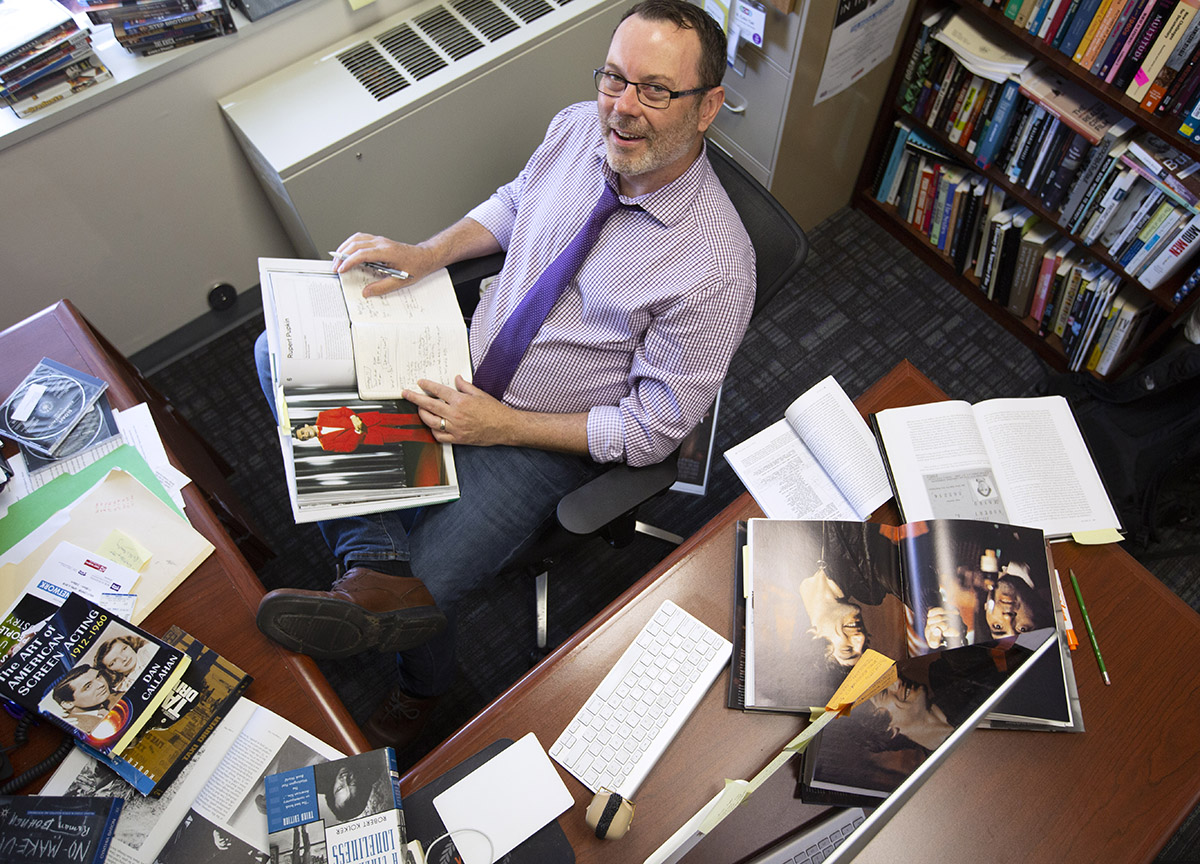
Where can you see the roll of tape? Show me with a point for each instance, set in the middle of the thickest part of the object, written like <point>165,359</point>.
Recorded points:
<point>609,814</point>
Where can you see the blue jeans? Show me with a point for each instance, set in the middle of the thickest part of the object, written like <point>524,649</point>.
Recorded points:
<point>507,494</point>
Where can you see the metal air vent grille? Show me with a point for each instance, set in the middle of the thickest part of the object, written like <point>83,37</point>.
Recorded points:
<point>486,17</point>
<point>414,54</point>
<point>448,33</point>
<point>529,10</point>
<point>372,70</point>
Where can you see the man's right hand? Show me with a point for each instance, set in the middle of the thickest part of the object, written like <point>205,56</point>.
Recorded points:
<point>465,239</point>
<point>359,249</point>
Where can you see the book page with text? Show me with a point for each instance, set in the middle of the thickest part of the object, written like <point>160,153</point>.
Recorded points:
<point>939,463</point>
<point>416,331</point>
<point>1043,465</point>
<point>785,478</point>
<point>307,324</point>
<point>836,434</point>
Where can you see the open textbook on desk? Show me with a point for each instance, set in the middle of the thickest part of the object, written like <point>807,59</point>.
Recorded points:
<point>339,363</point>
<point>818,594</point>
<point>818,462</point>
<point>1009,460</point>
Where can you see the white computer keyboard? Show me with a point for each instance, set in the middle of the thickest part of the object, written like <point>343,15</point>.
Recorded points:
<point>643,701</point>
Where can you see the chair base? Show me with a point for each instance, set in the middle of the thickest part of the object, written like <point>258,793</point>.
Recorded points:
<point>541,592</point>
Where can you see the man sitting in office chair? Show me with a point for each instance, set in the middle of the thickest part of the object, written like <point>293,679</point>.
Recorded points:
<point>620,367</point>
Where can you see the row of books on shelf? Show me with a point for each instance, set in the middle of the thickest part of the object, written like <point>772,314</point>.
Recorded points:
<point>1044,132</point>
<point>45,56</point>
<point>1147,48</point>
<point>1027,264</point>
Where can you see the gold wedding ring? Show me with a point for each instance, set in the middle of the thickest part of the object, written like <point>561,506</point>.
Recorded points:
<point>442,427</point>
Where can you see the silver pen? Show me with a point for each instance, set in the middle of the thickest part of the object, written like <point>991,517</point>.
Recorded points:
<point>378,268</point>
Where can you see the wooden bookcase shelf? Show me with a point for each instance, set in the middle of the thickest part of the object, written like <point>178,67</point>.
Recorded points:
<point>988,19</point>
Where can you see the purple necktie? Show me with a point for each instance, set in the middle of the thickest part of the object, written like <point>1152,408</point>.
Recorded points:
<point>504,354</point>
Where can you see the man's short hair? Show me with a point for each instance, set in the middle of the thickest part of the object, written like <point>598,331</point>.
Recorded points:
<point>688,16</point>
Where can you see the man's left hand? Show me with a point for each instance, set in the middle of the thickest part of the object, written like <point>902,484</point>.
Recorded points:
<point>470,415</point>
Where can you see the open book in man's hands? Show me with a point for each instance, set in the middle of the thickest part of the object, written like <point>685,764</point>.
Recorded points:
<point>339,364</point>
<point>819,462</point>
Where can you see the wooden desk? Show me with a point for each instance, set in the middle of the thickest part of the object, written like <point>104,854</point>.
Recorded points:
<point>217,602</point>
<point>1114,793</point>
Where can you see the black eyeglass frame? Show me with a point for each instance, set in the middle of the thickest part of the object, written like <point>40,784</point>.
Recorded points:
<point>598,74</point>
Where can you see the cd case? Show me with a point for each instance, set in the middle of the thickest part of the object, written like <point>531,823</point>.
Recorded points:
<point>48,405</point>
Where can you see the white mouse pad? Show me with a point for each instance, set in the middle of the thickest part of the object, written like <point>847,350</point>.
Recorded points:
<point>508,798</point>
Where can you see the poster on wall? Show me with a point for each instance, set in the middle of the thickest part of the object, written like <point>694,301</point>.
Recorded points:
<point>864,33</point>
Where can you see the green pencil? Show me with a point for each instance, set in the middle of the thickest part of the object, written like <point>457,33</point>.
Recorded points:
<point>1087,625</point>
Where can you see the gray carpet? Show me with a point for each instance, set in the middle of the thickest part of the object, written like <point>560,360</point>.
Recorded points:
<point>861,304</point>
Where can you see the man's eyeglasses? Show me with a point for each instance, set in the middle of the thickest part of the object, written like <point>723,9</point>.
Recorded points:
<point>650,95</point>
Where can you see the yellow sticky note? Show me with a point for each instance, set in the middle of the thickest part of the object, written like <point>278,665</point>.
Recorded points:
<point>734,793</point>
<point>120,547</point>
<point>871,674</point>
<point>1098,537</point>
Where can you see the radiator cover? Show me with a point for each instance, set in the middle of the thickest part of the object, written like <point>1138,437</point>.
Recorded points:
<point>400,129</point>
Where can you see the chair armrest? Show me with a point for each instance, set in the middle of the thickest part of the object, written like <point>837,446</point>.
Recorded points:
<point>466,276</point>
<point>617,491</point>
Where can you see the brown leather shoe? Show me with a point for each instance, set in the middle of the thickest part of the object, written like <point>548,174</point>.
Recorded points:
<point>363,611</point>
<point>398,720</point>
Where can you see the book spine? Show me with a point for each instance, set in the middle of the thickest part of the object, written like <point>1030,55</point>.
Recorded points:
<point>1089,34</point>
<point>998,125</point>
<point>1169,260</point>
<point>1102,336</point>
<point>1057,285</point>
<point>1041,19</point>
<point>969,140</point>
<point>1183,82</point>
<point>1112,42</point>
<point>1087,53</point>
<point>1025,144</point>
<point>1071,10</point>
<point>1050,154</point>
<point>1163,234</point>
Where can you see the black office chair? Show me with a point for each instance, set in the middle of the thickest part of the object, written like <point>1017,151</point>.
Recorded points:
<point>608,505</point>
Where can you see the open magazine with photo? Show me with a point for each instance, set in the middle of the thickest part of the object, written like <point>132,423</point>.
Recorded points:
<point>821,593</point>
<point>339,363</point>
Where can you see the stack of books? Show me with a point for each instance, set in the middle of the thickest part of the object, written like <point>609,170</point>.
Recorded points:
<point>45,57</point>
<point>148,27</point>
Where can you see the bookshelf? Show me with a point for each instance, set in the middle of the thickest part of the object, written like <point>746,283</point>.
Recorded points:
<point>991,19</point>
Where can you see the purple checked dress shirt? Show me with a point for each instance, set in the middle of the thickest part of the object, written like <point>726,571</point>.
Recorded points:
<point>642,336</point>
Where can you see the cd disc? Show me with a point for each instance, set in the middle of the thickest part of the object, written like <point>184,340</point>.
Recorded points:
<point>84,435</point>
<point>59,404</point>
